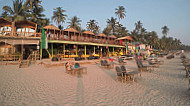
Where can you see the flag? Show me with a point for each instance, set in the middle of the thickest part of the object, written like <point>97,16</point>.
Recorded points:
<point>43,40</point>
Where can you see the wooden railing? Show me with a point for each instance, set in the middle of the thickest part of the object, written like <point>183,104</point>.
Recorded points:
<point>34,56</point>
<point>10,57</point>
<point>60,37</point>
<point>20,34</point>
<point>83,39</point>
<point>5,33</point>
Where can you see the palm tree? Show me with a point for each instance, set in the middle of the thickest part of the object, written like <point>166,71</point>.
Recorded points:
<point>96,30</point>
<point>138,26</point>
<point>143,31</point>
<point>37,16</point>
<point>165,30</point>
<point>18,12</point>
<point>111,24</point>
<point>91,25</point>
<point>106,31</point>
<point>4,15</point>
<point>134,35</point>
<point>74,23</point>
<point>33,3</point>
<point>120,12</point>
<point>58,15</point>
<point>121,31</point>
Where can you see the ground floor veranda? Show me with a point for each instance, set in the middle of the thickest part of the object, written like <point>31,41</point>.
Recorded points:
<point>65,49</point>
<point>70,49</point>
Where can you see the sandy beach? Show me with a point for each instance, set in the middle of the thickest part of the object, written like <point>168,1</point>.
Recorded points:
<point>38,86</point>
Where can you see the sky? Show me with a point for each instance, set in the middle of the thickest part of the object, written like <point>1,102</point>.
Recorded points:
<point>153,14</point>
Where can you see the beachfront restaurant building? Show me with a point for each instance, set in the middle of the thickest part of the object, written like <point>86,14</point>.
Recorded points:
<point>17,39</point>
<point>21,38</point>
<point>72,43</point>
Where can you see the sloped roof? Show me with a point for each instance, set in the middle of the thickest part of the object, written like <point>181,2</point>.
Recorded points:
<point>126,37</point>
<point>51,27</point>
<point>102,35</point>
<point>71,30</point>
<point>89,32</point>
<point>25,23</point>
<point>112,36</point>
<point>5,22</point>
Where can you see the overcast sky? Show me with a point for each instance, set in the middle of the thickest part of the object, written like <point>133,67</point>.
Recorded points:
<point>154,14</point>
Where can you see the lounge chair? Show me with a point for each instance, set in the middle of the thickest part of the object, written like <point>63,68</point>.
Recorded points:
<point>102,63</point>
<point>78,69</point>
<point>144,67</point>
<point>119,74</point>
<point>120,60</point>
<point>107,64</point>
<point>154,62</point>
<point>130,74</point>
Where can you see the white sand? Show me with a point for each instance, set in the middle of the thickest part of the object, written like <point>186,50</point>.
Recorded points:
<point>38,85</point>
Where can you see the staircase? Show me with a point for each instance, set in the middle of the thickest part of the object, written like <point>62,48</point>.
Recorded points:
<point>24,64</point>
<point>31,59</point>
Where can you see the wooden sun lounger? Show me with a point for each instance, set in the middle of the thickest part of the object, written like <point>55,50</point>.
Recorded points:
<point>80,70</point>
<point>132,74</point>
<point>128,73</point>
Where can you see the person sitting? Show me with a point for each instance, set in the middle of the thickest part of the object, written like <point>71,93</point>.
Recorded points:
<point>68,66</point>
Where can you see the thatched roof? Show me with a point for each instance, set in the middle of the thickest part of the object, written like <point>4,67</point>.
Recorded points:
<point>89,32</point>
<point>113,36</point>
<point>5,22</point>
<point>102,35</point>
<point>71,30</point>
<point>126,37</point>
<point>51,27</point>
<point>25,23</point>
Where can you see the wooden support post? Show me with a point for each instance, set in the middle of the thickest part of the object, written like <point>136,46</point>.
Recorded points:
<point>24,31</point>
<point>74,37</point>
<point>54,35</point>
<point>12,28</point>
<point>76,49</point>
<point>51,49</point>
<point>126,51</point>
<point>68,36</point>
<point>85,50</point>
<point>64,50</point>
<point>113,51</point>
<point>22,47</point>
<point>108,50</point>
<point>40,51</point>
<point>94,50</point>
<point>35,31</point>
